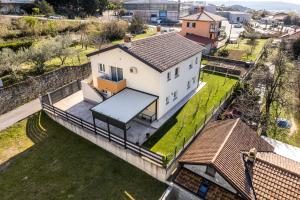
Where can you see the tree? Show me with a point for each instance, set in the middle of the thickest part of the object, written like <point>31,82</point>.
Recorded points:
<point>296,48</point>
<point>62,48</point>
<point>90,6</point>
<point>40,55</point>
<point>44,7</point>
<point>137,24</point>
<point>275,82</point>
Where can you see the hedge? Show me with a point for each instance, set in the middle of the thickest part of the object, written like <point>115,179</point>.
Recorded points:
<point>15,46</point>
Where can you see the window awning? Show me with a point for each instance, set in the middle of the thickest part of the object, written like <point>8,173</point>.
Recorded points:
<point>121,108</point>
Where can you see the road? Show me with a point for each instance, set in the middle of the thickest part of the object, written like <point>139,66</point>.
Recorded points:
<point>8,119</point>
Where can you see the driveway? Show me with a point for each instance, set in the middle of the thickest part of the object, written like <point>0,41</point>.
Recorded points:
<point>8,119</point>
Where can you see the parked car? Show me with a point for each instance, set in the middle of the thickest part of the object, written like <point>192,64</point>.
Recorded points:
<point>283,123</point>
<point>55,17</point>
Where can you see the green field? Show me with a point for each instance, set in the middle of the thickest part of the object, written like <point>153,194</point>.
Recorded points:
<point>183,124</point>
<point>50,162</point>
<point>239,51</point>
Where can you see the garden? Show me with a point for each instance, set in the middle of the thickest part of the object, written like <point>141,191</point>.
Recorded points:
<point>245,49</point>
<point>30,46</point>
<point>39,159</point>
<point>174,134</point>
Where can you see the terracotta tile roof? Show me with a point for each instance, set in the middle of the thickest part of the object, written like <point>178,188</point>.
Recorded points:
<point>160,52</point>
<point>192,182</point>
<point>204,16</point>
<point>221,144</point>
<point>275,177</point>
<point>199,39</point>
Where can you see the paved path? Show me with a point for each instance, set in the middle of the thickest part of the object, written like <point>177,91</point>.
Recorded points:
<point>19,113</point>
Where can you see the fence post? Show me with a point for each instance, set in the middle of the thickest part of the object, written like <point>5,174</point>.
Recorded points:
<point>175,151</point>
<point>53,109</point>
<point>67,116</point>
<point>183,142</point>
<point>81,123</point>
<point>49,97</point>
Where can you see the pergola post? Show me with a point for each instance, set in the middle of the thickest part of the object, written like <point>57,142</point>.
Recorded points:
<point>155,110</point>
<point>94,124</point>
<point>125,136</point>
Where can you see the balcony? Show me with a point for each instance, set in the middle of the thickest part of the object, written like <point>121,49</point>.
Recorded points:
<point>105,83</point>
<point>214,30</point>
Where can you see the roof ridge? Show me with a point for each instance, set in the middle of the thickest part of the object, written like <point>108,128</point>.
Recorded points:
<point>277,166</point>
<point>224,142</point>
<point>209,15</point>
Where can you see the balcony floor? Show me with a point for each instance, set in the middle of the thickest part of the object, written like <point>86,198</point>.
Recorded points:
<point>76,105</point>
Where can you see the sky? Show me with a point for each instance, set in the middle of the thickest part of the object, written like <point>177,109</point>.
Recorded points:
<point>289,1</point>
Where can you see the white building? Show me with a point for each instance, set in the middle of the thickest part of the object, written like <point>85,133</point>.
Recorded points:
<point>236,17</point>
<point>146,77</point>
<point>13,6</point>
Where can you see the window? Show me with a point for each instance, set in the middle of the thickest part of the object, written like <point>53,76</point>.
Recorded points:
<point>167,100</point>
<point>188,25</point>
<point>101,68</point>
<point>176,72</point>
<point>210,171</point>
<point>174,95</point>
<point>196,61</point>
<point>191,66</point>
<point>194,79</point>
<point>194,25</point>
<point>168,76</point>
<point>188,84</point>
<point>116,74</point>
<point>203,189</point>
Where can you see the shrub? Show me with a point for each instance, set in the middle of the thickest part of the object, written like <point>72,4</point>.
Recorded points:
<point>137,24</point>
<point>15,46</point>
<point>223,53</point>
<point>114,30</point>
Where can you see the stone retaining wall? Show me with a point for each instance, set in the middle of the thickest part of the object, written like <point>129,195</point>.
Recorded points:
<point>23,92</point>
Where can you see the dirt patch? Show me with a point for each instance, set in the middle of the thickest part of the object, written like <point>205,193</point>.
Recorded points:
<point>236,54</point>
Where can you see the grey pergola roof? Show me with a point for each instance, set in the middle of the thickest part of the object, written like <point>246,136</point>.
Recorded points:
<point>121,108</point>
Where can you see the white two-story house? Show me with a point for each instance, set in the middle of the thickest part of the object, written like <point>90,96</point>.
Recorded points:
<point>163,69</point>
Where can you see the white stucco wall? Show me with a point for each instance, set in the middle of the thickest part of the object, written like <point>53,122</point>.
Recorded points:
<point>178,84</point>
<point>218,179</point>
<point>148,79</point>
<point>89,94</point>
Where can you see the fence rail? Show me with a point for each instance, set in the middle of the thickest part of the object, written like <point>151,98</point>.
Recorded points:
<point>156,158</point>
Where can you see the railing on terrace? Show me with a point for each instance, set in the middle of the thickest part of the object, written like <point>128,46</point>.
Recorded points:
<point>178,150</point>
<point>154,157</point>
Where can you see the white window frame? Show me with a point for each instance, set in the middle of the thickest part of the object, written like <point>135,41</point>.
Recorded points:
<point>176,74</point>
<point>167,100</point>
<point>168,76</point>
<point>188,85</point>
<point>101,68</point>
<point>175,95</point>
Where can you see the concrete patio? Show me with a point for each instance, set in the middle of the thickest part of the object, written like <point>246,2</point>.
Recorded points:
<point>75,104</point>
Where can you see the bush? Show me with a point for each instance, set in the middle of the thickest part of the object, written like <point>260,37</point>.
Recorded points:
<point>223,53</point>
<point>15,46</point>
<point>137,25</point>
<point>114,30</point>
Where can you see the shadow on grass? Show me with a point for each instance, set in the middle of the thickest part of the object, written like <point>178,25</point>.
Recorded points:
<point>62,165</point>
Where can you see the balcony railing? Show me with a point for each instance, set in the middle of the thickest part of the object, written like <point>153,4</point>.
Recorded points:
<point>105,83</point>
<point>214,30</point>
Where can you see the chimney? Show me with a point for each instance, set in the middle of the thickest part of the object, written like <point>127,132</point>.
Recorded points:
<point>252,155</point>
<point>127,40</point>
<point>158,29</point>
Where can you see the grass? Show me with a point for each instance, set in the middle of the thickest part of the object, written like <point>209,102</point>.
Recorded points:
<point>149,32</point>
<point>239,51</point>
<point>62,165</point>
<point>181,127</point>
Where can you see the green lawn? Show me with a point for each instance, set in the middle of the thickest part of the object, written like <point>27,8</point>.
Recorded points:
<point>149,32</point>
<point>62,165</point>
<point>239,51</point>
<point>182,125</point>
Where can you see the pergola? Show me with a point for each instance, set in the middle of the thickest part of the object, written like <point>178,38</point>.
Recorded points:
<point>123,107</point>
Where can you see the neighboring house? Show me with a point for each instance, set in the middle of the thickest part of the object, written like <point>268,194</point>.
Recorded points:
<point>236,17</point>
<point>290,38</point>
<point>192,7</point>
<point>165,66</point>
<point>202,27</point>
<point>13,6</point>
<point>276,19</point>
<point>154,10</point>
<point>230,161</point>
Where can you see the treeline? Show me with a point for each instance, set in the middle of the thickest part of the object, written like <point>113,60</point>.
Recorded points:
<point>79,7</point>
